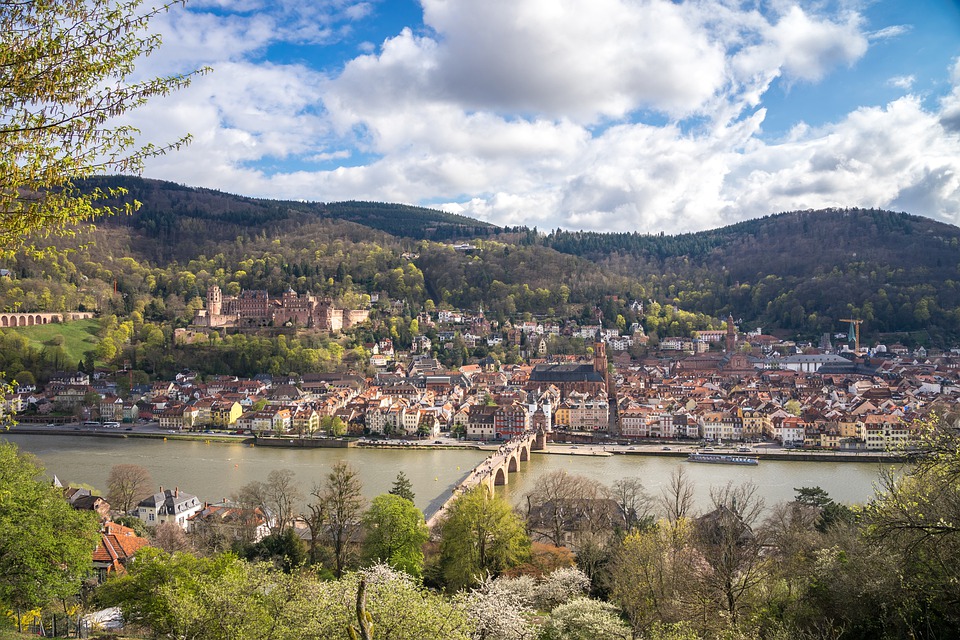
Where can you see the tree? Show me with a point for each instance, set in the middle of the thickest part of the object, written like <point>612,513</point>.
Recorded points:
<point>633,502</point>
<point>916,519</point>
<point>399,608</point>
<point>66,72</point>
<point>585,619</point>
<point>561,504</point>
<point>225,598</point>
<point>333,425</point>
<point>560,586</point>
<point>676,499</point>
<point>831,512</point>
<point>170,537</point>
<point>277,498</point>
<point>480,535</point>
<point>45,544</point>
<point>135,523</point>
<point>395,533</point>
<point>127,485</point>
<point>651,574</point>
<point>403,488</point>
<point>341,505</point>
<point>732,549</point>
<point>285,550</point>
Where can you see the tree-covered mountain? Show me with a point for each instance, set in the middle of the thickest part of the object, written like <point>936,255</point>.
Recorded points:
<point>183,217</point>
<point>796,274</point>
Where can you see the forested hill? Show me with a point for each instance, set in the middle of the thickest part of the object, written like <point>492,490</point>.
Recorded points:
<point>171,211</point>
<point>798,271</point>
<point>795,243</point>
<point>795,274</point>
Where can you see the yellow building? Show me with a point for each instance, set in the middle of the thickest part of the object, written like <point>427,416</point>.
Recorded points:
<point>225,414</point>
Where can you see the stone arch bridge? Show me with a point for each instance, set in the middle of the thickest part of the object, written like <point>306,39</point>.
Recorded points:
<point>495,470</point>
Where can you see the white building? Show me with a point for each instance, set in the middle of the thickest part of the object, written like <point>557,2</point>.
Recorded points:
<point>168,505</point>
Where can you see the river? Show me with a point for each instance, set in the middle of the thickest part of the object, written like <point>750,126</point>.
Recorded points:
<point>213,471</point>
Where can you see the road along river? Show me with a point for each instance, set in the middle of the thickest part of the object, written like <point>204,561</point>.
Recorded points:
<point>213,471</point>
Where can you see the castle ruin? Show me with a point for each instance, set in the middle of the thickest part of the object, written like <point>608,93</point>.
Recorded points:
<point>255,308</point>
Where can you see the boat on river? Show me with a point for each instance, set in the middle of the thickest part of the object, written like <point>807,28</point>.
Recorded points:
<point>722,458</point>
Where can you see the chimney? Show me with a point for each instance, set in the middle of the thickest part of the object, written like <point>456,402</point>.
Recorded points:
<point>176,492</point>
<point>161,488</point>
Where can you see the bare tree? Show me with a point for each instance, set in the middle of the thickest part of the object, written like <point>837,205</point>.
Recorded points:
<point>633,502</point>
<point>676,499</point>
<point>731,547</point>
<point>561,505</point>
<point>170,537</point>
<point>339,502</point>
<point>127,485</point>
<point>277,498</point>
<point>793,539</point>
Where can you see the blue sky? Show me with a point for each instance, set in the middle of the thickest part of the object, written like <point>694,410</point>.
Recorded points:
<point>608,115</point>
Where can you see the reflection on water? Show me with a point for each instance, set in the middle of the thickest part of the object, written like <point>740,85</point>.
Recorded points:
<point>213,471</point>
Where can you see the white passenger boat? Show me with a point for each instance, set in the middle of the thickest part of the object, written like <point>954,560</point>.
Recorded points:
<point>722,458</point>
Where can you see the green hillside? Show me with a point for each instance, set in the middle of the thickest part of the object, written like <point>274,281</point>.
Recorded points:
<point>800,271</point>
<point>76,337</point>
<point>186,217</point>
<point>793,274</point>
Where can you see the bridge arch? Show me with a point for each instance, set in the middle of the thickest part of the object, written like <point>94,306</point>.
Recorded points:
<point>17,319</point>
<point>500,477</point>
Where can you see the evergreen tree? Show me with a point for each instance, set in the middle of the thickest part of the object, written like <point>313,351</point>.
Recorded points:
<point>403,488</point>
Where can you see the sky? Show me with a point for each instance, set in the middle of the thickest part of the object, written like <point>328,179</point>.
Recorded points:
<point>601,115</point>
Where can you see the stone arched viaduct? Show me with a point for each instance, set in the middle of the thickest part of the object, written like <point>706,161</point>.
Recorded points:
<point>33,319</point>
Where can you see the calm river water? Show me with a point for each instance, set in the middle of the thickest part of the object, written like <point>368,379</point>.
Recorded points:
<point>213,471</point>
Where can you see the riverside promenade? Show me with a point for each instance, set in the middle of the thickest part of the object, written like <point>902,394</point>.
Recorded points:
<point>494,470</point>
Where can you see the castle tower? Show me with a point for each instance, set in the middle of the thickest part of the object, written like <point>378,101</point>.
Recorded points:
<point>731,335</point>
<point>214,301</point>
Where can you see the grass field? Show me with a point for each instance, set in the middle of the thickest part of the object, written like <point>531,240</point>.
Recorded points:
<point>79,336</point>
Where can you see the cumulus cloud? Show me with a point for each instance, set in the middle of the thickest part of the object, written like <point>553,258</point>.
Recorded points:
<point>594,114</point>
<point>803,47</point>
<point>578,58</point>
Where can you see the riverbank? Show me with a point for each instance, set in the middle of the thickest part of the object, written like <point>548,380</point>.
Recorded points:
<point>761,452</point>
<point>102,432</point>
<point>155,433</point>
<point>764,451</point>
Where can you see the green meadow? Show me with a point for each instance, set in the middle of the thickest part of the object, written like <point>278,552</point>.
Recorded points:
<point>79,336</point>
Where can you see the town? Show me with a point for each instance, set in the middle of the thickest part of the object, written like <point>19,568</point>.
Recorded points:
<point>722,386</point>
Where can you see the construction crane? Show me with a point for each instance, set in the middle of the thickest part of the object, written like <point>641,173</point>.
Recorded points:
<point>854,332</point>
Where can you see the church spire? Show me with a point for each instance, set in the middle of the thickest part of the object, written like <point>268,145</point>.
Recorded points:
<point>731,335</point>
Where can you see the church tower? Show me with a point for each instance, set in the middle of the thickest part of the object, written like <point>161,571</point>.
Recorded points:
<point>600,355</point>
<point>731,335</point>
<point>610,384</point>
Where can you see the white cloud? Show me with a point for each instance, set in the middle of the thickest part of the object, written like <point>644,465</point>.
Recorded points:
<point>888,33</point>
<point>902,82</point>
<point>531,112</point>
<point>585,59</point>
<point>803,47</point>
